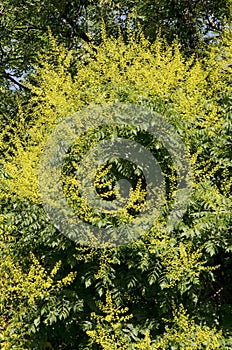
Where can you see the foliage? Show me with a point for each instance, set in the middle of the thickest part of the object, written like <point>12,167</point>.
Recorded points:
<point>186,334</point>
<point>22,291</point>
<point>54,296</point>
<point>112,332</point>
<point>194,22</point>
<point>24,26</point>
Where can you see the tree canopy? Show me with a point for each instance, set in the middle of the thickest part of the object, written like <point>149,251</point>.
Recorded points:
<point>168,287</point>
<point>24,25</point>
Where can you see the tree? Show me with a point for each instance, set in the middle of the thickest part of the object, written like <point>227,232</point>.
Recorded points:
<point>192,21</point>
<point>81,295</point>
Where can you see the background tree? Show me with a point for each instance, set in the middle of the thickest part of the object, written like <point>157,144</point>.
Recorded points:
<point>24,25</point>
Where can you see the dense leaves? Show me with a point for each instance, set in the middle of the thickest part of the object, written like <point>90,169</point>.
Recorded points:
<point>165,290</point>
<point>24,25</point>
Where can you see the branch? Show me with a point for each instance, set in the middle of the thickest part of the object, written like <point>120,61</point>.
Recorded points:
<point>9,77</point>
